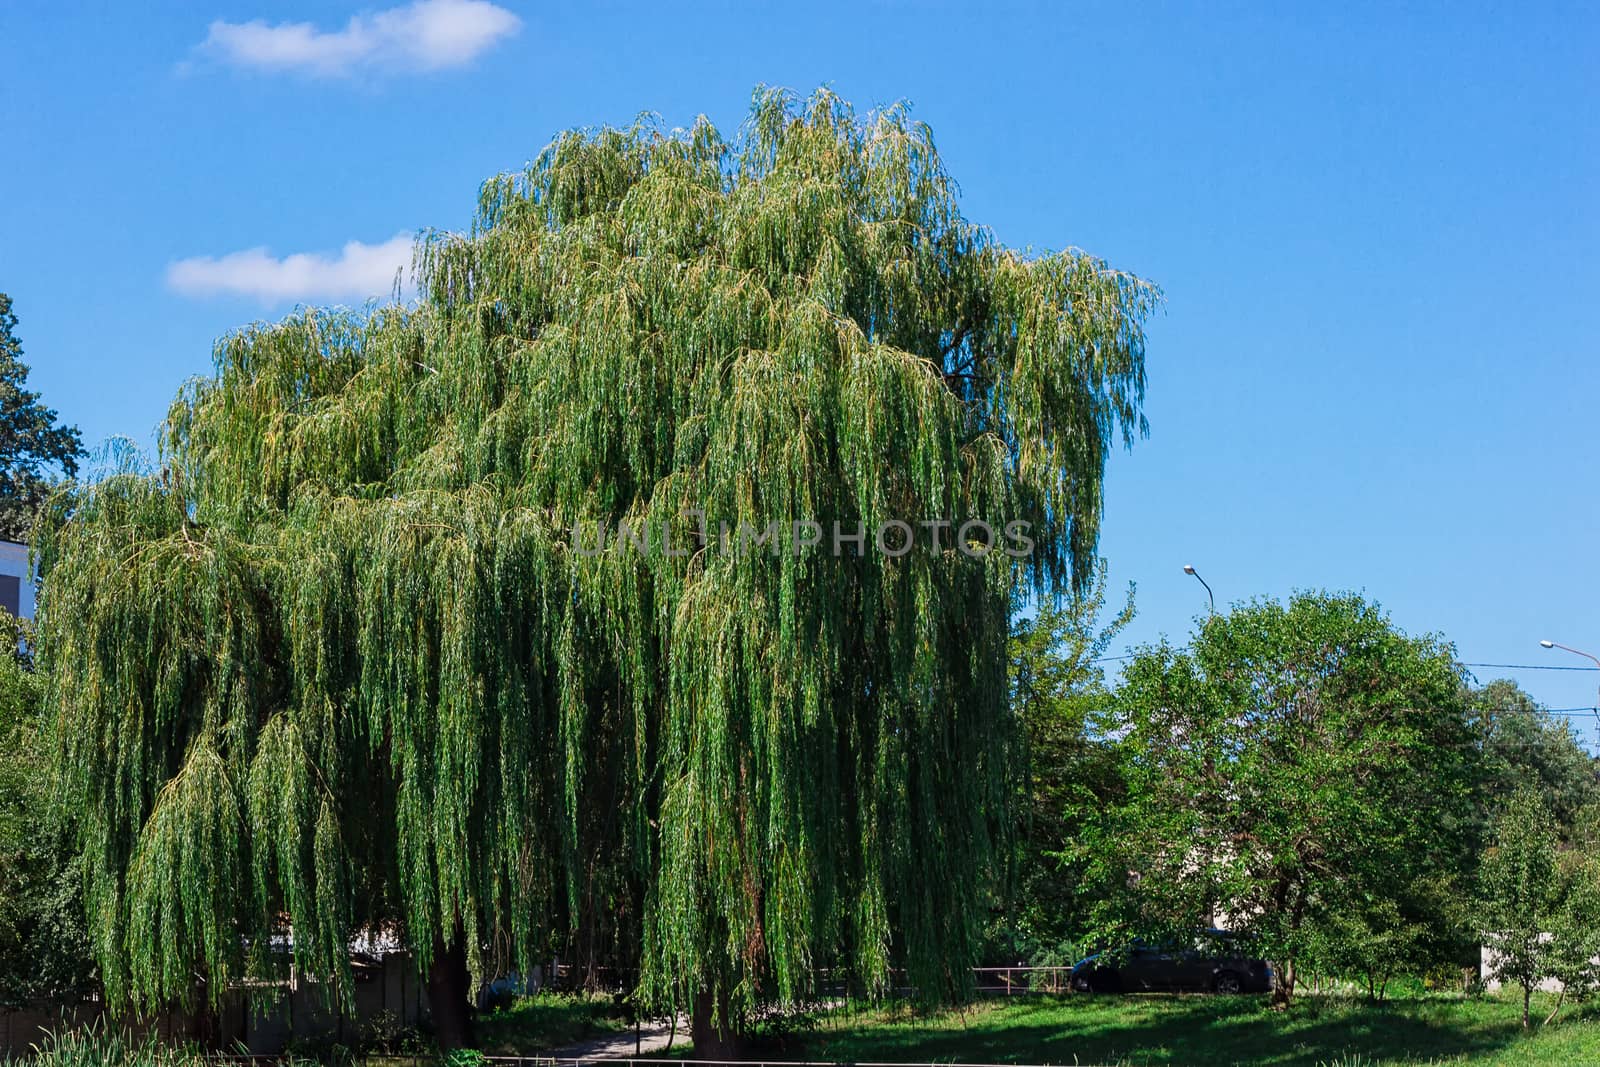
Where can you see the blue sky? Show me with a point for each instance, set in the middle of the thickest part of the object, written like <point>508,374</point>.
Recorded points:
<point>1375,226</point>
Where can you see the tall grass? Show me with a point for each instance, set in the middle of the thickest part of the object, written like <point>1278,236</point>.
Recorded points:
<point>105,1047</point>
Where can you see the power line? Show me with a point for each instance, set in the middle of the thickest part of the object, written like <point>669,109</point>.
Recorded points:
<point>1530,667</point>
<point>1499,666</point>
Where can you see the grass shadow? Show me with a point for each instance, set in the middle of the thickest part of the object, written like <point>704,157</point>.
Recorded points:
<point>1207,1030</point>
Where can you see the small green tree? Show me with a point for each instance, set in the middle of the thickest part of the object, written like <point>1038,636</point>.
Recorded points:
<point>34,448</point>
<point>1524,745</point>
<point>1292,757</point>
<point>1539,907</point>
<point>1377,928</point>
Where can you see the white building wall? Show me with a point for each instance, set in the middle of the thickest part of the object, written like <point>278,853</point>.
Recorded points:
<point>1488,957</point>
<point>14,562</point>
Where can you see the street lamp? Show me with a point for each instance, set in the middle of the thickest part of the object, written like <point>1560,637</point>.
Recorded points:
<point>1551,644</point>
<point>1188,568</point>
<point>1575,652</point>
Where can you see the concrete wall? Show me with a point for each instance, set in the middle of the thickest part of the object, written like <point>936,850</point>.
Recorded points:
<point>302,1012</point>
<point>21,1030</point>
<point>1487,958</point>
<point>293,1011</point>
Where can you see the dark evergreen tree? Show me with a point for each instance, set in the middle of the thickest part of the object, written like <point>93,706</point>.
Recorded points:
<point>35,449</point>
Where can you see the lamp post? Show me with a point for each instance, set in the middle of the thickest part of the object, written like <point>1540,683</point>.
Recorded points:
<point>1211,760</point>
<point>1551,644</point>
<point>1588,656</point>
<point>1188,568</point>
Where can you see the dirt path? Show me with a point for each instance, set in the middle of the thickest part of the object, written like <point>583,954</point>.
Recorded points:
<point>651,1040</point>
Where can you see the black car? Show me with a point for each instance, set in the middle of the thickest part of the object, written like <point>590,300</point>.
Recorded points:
<point>1213,961</point>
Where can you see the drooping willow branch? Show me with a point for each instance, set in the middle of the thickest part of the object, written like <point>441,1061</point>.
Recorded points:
<point>338,663</point>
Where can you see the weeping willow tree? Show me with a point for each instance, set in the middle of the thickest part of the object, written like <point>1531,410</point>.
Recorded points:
<point>362,650</point>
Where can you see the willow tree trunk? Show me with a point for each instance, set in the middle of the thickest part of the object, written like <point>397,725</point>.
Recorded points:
<point>448,994</point>
<point>713,1031</point>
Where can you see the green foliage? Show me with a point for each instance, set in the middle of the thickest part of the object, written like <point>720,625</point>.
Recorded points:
<point>1522,746</point>
<point>543,1021</point>
<point>44,949</point>
<point>108,1047</point>
<point>34,449</point>
<point>1540,907</point>
<point>1296,763</point>
<point>384,1034</point>
<point>339,661</point>
<point>1379,928</point>
<point>1059,695</point>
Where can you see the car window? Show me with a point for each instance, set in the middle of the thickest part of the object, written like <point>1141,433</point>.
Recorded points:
<point>1216,945</point>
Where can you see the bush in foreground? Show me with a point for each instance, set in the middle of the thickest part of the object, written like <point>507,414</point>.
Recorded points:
<point>94,1047</point>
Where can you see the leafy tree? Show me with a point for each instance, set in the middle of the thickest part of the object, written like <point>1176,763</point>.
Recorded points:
<point>44,948</point>
<point>1058,691</point>
<point>1380,927</point>
<point>1378,931</point>
<point>354,653</point>
<point>1525,746</point>
<point>34,449</point>
<point>1540,907</point>
<point>1291,758</point>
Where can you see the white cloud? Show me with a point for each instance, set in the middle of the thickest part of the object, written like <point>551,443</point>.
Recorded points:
<point>422,36</point>
<point>358,272</point>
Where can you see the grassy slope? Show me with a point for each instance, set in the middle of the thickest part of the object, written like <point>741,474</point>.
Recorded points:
<point>1201,1030</point>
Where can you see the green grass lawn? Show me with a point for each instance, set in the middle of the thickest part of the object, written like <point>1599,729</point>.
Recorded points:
<point>1131,1031</point>
<point>1206,1030</point>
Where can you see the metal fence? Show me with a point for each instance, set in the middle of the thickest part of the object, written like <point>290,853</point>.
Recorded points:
<point>223,1060</point>
<point>1019,980</point>
<point>661,1061</point>
<point>1015,981</point>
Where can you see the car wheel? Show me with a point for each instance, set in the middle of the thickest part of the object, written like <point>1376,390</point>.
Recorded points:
<point>1228,982</point>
